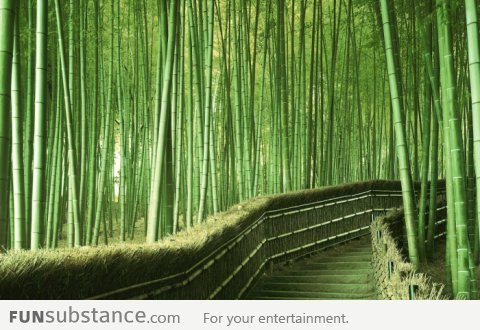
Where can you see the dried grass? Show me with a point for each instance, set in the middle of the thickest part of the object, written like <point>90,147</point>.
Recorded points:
<point>397,285</point>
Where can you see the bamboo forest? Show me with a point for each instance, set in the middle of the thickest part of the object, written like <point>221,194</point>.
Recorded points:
<point>239,149</point>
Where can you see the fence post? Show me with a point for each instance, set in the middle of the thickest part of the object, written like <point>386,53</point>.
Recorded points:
<point>412,291</point>
<point>391,268</point>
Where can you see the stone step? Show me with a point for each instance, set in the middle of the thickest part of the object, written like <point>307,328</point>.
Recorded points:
<point>366,288</point>
<point>317,272</point>
<point>335,278</point>
<point>352,265</point>
<point>347,258</point>
<point>294,295</point>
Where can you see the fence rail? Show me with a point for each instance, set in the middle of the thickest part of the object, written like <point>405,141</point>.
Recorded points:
<point>277,235</point>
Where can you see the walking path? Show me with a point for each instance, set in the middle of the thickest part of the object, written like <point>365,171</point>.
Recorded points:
<point>345,273</point>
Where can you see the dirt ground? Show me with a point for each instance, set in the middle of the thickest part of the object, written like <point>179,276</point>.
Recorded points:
<point>436,268</point>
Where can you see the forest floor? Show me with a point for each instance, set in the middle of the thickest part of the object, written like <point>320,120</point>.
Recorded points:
<point>113,236</point>
<point>436,269</point>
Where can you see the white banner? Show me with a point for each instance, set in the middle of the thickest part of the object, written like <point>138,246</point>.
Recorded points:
<point>291,315</point>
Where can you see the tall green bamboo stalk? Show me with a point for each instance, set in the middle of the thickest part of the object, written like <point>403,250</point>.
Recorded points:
<point>17,144</point>
<point>400,140</point>
<point>154,205</point>
<point>474,69</point>
<point>7,19</point>
<point>40,120</point>
<point>72,165</point>
<point>456,151</point>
